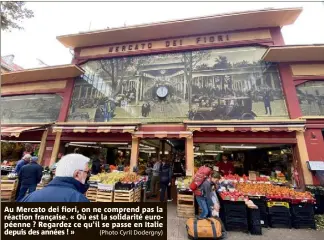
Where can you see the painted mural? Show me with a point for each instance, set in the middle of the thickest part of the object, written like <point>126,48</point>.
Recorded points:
<point>201,85</point>
<point>39,108</point>
<point>311,98</point>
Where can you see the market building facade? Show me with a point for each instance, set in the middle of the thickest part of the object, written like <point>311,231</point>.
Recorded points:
<point>217,80</point>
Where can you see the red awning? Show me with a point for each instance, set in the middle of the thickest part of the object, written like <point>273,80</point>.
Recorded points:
<point>247,128</point>
<point>16,131</point>
<point>163,134</point>
<point>94,129</point>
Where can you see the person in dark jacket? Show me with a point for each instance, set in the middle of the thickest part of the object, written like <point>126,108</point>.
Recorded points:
<point>96,166</point>
<point>25,160</point>
<point>29,176</point>
<point>165,179</point>
<point>69,184</point>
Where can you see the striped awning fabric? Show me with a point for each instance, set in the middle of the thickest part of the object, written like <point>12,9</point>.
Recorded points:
<point>16,131</point>
<point>94,129</point>
<point>162,134</point>
<point>248,128</point>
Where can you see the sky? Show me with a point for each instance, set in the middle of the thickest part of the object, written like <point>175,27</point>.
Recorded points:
<point>52,19</point>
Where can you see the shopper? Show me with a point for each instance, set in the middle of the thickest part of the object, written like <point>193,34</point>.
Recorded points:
<point>225,167</point>
<point>96,166</point>
<point>29,176</point>
<point>204,199</point>
<point>214,182</point>
<point>69,185</point>
<point>155,183</point>
<point>149,172</point>
<point>165,179</point>
<point>25,160</point>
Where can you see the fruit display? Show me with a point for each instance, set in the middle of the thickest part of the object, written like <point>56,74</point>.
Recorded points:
<point>236,178</point>
<point>233,196</point>
<point>130,178</point>
<point>271,191</point>
<point>183,182</point>
<point>112,168</point>
<point>107,178</point>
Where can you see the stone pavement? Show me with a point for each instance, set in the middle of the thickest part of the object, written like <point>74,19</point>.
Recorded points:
<point>177,231</point>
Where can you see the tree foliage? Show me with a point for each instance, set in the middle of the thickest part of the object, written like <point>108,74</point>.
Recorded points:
<point>12,14</point>
<point>122,69</point>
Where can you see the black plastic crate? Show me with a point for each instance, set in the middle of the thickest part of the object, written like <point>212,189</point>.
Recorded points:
<point>319,206</point>
<point>303,209</point>
<point>280,223</point>
<point>236,220</point>
<point>278,218</point>
<point>236,227</point>
<point>124,186</point>
<point>255,229</point>
<point>304,224</point>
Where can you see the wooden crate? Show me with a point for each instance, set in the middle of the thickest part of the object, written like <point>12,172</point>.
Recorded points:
<point>105,196</point>
<point>124,196</point>
<point>8,190</point>
<point>92,194</point>
<point>185,206</point>
<point>137,194</point>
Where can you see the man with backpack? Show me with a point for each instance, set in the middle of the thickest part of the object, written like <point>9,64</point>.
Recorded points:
<point>201,186</point>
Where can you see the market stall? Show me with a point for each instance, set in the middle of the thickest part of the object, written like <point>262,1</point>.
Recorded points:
<point>116,186</point>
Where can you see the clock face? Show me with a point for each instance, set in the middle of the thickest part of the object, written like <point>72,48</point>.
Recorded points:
<point>162,91</point>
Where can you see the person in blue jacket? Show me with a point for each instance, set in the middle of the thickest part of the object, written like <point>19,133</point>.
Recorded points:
<point>29,176</point>
<point>69,183</point>
<point>25,160</point>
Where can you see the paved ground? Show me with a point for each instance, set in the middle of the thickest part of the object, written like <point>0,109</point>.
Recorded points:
<point>177,231</point>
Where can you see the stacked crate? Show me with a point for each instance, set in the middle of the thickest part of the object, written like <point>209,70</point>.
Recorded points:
<point>254,218</point>
<point>302,215</point>
<point>92,194</point>
<point>185,205</point>
<point>261,203</point>
<point>137,194</point>
<point>124,195</point>
<point>234,215</point>
<point>8,190</point>
<point>104,196</point>
<point>279,214</point>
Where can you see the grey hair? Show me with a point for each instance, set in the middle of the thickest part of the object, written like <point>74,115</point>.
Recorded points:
<point>27,157</point>
<point>71,163</point>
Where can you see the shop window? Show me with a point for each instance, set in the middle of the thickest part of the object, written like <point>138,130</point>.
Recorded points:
<point>42,108</point>
<point>231,83</point>
<point>311,98</point>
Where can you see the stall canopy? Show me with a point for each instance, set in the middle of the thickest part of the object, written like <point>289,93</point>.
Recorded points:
<point>295,53</point>
<point>15,131</point>
<point>247,126</point>
<point>163,134</point>
<point>125,128</point>
<point>41,74</point>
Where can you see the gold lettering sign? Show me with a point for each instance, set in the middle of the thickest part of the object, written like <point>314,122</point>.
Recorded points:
<point>175,43</point>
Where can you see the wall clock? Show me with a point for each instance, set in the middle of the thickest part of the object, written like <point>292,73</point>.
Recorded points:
<point>162,92</point>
